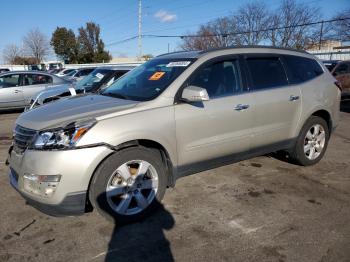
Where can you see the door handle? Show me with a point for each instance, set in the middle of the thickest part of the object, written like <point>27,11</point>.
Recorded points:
<point>241,107</point>
<point>293,98</point>
<point>18,91</point>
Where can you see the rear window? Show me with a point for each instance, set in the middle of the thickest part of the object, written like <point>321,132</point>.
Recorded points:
<point>266,72</point>
<point>301,69</point>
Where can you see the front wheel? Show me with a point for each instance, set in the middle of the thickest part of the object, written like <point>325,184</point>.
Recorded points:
<point>128,184</point>
<point>312,142</point>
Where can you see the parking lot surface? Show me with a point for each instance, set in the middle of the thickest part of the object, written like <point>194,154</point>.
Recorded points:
<point>262,209</point>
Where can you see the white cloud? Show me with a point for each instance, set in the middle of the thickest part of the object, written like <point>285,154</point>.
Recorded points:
<point>165,17</point>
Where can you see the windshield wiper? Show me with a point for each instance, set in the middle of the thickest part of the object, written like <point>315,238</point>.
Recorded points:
<point>115,95</point>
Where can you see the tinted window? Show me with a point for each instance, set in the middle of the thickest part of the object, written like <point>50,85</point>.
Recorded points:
<point>219,79</point>
<point>9,81</point>
<point>342,68</point>
<point>301,69</point>
<point>266,72</point>
<point>37,79</point>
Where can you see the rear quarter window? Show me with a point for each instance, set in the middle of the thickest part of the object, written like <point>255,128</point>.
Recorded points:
<point>302,69</point>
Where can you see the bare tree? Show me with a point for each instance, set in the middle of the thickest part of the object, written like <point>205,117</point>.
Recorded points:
<point>250,20</point>
<point>36,45</point>
<point>211,35</point>
<point>340,30</point>
<point>290,22</point>
<point>11,52</point>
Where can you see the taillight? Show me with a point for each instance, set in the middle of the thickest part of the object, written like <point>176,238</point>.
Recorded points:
<point>338,84</point>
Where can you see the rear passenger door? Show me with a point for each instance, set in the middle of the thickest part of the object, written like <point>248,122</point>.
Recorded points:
<point>277,105</point>
<point>33,84</point>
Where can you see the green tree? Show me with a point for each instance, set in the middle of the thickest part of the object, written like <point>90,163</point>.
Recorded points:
<point>91,46</point>
<point>65,44</point>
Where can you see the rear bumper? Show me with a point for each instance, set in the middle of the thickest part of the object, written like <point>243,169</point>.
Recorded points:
<point>73,204</point>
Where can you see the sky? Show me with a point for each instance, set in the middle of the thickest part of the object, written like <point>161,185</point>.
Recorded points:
<point>118,19</point>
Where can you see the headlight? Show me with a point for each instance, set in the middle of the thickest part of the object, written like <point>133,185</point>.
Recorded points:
<point>61,138</point>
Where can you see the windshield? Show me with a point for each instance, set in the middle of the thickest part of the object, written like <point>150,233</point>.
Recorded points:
<point>149,80</point>
<point>94,79</point>
<point>71,73</point>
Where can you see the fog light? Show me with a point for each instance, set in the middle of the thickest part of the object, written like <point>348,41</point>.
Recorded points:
<point>44,186</point>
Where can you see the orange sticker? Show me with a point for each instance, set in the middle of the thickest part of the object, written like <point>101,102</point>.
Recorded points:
<point>156,76</point>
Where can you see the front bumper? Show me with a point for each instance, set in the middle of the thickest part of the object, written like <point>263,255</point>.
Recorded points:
<point>75,167</point>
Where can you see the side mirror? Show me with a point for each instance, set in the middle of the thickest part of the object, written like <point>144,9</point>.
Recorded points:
<point>194,94</point>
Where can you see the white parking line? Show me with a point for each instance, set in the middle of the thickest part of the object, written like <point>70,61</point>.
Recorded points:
<point>2,162</point>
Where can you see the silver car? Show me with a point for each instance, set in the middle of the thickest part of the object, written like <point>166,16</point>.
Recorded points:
<point>175,115</point>
<point>18,87</point>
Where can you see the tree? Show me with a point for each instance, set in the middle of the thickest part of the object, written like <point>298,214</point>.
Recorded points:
<point>11,52</point>
<point>211,35</point>
<point>340,30</point>
<point>147,57</point>
<point>36,45</point>
<point>91,46</point>
<point>251,19</point>
<point>65,44</point>
<point>289,20</point>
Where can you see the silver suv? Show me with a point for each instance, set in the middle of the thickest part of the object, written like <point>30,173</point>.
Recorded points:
<point>175,115</point>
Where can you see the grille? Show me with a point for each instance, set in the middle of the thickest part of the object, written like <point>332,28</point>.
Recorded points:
<point>22,137</point>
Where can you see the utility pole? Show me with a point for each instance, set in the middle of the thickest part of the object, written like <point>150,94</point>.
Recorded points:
<point>321,34</point>
<point>139,32</point>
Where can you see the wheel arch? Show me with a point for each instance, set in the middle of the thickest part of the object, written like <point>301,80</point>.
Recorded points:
<point>139,143</point>
<point>324,114</point>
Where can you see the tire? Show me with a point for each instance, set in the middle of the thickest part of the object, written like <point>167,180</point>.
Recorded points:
<point>129,184</point>
<point>300,153</point>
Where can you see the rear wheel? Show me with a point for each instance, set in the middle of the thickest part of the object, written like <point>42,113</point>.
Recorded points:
<point>312,142</point>
<point>129,184</point>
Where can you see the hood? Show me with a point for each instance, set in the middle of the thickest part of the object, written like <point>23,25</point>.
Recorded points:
<point>72,109</point>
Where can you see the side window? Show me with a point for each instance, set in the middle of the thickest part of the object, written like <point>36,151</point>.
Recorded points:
<point>301,69</point>
<point>9,81</point>
<point>219,79</point>
<point>341,69</point>
<point>36,79</point>
<point>266,72</point>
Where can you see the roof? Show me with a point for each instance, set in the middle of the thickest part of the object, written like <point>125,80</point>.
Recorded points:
<point>196,54</point>
<point>181,54</point>
<point>27,72</point>
<point>119,67</point>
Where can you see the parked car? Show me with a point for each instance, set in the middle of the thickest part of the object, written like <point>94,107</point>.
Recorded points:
<point>65,72</point>
<point>78,74</point>
<point>330,64</point>
<point>174,115</point>
<point>3,70</point>
<point>18,87</point>
<point>342,73</point>
<point>97,80</point>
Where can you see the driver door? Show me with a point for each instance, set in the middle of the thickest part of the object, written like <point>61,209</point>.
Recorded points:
<point>219,127</point>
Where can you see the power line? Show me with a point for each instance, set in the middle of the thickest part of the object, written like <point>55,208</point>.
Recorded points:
<point>247,32</point>
<point>230,33</point>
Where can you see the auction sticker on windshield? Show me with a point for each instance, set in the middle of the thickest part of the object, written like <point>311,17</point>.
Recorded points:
<point>178,63</point>
<point>99,75</point>
<point>156,76</point>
